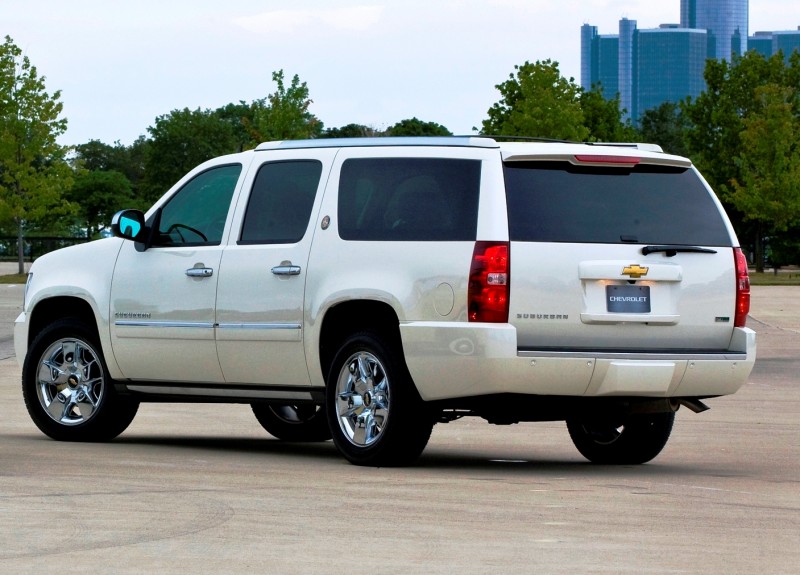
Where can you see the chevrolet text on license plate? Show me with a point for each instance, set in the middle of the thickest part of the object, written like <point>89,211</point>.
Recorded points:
<point>628,299</point>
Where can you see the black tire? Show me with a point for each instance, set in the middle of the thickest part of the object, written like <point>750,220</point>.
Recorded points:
<point>632,439</point>
<point>375,414</point>
<point>302,422</point>
<point>67,389</point>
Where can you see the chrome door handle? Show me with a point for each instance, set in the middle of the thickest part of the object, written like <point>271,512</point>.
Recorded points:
<point>199,272</point>
<point>286,270</point>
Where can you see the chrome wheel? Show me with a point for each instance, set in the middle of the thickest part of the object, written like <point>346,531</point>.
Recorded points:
<point>376,415</point>
<point>362,399</point>
<point>70,381</point>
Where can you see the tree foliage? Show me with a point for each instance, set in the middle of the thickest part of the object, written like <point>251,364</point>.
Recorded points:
<point>99,195</point>
<point>351,131</point>
<point>415,127</point>
<point>603,118</point>
<point>767,189</point>
<point>33,170</point>
<point>180,141</point>
<point>284,115</point>
<point>666,126</point>
<point>742,135</point>
<point>537,102</point>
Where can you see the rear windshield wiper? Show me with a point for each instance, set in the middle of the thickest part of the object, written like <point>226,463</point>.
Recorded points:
<point>672,250</point>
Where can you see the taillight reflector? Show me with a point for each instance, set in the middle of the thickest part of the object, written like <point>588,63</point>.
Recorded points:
<point>489,284</point>
<point>742,288</point>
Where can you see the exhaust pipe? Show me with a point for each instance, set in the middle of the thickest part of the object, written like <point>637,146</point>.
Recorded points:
<point>695,405</point>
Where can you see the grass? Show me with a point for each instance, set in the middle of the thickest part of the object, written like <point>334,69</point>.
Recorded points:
<point>770,279</point>
<point>13,279</point>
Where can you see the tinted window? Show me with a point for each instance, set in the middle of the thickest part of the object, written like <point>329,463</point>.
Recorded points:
<point>196,214</point>
<point>559,202</point>
<point>405,199</point>
<point>280,203</point>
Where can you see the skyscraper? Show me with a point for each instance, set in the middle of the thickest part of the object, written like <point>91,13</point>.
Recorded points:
<point>725,20</point>
<point>668,66</point>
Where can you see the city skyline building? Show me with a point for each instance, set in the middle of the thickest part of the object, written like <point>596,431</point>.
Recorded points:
<point>666,64</point>
<point>726,22</point>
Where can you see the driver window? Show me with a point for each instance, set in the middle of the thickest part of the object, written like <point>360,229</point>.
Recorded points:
<point>196,214</point>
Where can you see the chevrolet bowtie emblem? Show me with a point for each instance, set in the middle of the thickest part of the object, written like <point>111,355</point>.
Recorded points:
<point>635,271</point>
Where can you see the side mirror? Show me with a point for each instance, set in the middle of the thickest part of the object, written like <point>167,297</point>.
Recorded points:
<point>129,225</point>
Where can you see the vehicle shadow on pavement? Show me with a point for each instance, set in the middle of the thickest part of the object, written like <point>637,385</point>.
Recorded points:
<point>431,459</point>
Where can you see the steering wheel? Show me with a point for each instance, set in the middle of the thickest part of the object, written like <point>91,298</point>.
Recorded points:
<point>177,228</point>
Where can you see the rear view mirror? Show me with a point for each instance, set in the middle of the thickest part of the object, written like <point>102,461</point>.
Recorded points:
<point>128,225</point>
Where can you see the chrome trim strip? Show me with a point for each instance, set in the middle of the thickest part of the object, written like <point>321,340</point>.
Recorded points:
<point>164,324</point>
<point>224,393</point>
<point>647,356</point>
<point>259,326</point>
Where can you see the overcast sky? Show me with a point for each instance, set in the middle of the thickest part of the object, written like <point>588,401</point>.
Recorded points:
<point>120,64</point>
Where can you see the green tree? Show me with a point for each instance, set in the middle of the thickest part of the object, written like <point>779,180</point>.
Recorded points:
<point>415,127</point>
<point>767,189</point>
<point>241,118</point>
<point>33,169</point>
<point>351,131</point>
<point>666,126</point>
<point>718,119</point>
<point>603,118</point>
<point>180,141</point>
<point>284,115</point>
<point>99,195</point>
<point>538,102</point>
<point>94,155</point>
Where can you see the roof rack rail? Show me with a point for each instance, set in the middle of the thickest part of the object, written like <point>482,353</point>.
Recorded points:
<point>500,137</point>
<point>452,141</point>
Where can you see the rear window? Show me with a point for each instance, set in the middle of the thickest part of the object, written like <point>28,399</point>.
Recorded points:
<point>409,199</point>
<point>646,204</point>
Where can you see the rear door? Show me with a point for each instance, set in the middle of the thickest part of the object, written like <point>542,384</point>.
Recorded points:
<point>260,298</point>
<point>613,253</point>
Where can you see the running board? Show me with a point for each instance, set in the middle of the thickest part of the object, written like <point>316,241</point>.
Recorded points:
<point>224,394</point>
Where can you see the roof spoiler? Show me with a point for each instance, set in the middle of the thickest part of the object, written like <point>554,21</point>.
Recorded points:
<point>637,145</point>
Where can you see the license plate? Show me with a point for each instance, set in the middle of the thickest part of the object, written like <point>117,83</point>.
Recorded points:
<point>628,299</point>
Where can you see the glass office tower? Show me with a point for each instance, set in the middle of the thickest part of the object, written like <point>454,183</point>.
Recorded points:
<point>599,61</point>
<point>725,20</point>
<point>668,66</point>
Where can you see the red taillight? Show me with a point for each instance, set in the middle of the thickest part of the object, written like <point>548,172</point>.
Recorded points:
<point>742,289</point>
<point>489,285</point>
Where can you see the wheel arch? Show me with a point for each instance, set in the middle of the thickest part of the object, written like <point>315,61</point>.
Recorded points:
<point>338,323</point>
<point>56,308</point>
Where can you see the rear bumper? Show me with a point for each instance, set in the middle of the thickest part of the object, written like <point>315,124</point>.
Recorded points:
<point>452,360</point>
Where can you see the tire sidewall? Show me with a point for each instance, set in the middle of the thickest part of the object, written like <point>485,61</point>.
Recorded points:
<point>642,439</point>
<point>405,432</point>
<point>102,425</point>
<point>314,428</point>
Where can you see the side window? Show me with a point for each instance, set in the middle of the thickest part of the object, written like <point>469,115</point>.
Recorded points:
<point>196,214</point>
<point>280,202</point>
<point>409,199</point>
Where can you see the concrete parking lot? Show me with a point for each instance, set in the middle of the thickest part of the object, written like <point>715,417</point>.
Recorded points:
<point>202,489</point>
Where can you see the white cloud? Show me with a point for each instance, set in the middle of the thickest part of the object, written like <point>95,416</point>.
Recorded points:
<point>352,18</point>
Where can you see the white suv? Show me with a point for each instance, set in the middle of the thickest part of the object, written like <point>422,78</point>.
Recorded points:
<point>367,289</point>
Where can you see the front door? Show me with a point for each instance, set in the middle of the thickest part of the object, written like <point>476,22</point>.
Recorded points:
<point>162,298</point>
